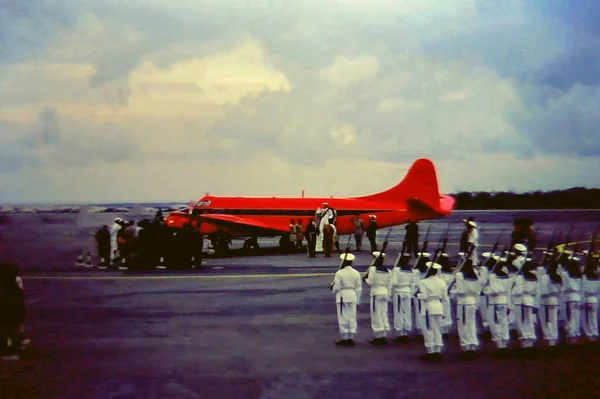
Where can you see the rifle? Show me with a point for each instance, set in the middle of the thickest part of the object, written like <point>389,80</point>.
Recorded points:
<point>549,247</point>
<point>400,254</point>
<point>423,247</point>
<point>383,248</point>
<point>343,259</point>
<point>493,251</point>
<point>588,254</point>
<point>459,268</point>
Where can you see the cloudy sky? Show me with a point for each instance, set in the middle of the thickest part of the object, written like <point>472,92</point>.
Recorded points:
<point>152,100</point>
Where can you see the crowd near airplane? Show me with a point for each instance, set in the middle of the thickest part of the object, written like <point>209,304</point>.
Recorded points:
<point>416,197</point>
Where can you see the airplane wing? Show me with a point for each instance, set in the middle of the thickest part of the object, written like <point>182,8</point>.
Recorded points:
<point>245,224</point>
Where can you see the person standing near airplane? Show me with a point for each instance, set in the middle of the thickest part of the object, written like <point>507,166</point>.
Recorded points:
<point>327,239</point>
<point>473,240</point>
<point>311,238</point>
<point>103,244</point>
<point>412,237</point>
<point>464,238</point>
<point>372,232</point>
<point>359,231</point>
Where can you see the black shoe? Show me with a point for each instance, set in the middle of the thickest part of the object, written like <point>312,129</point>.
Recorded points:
<point>379,341</point>
<point>427,358</point>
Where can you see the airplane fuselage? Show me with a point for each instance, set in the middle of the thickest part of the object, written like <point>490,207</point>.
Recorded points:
<point>278,213</point>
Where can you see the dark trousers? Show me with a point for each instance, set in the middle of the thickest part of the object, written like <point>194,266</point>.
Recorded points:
<point>312,244</point>
<point>412,246</point>
<point>358,240</point>
<point>373,243</point>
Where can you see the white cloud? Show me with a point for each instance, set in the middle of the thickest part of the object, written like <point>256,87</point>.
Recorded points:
<point>234,96</point>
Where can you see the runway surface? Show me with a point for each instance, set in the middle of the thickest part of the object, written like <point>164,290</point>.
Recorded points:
<point>254,327</point>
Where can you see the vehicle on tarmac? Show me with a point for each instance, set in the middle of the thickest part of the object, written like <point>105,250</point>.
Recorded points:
<point>416,197</point>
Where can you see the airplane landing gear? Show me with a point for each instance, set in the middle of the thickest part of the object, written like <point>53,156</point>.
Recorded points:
<point>251,244</point>
<point>220,243</point>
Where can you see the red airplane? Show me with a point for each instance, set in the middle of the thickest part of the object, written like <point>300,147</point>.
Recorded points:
<point>416,197</point>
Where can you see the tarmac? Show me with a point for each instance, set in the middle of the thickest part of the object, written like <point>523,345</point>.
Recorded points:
<point>218,333</point>
<point>241,327</point>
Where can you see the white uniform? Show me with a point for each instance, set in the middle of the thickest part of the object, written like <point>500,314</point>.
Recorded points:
<point>515,303</point>
<point>447,319</point>
<point>347,287</point>
<point>529,292</point>
<point>433,291</point>
<point>403,285</point>
<point>590,302</point>
<point>572,296</point>
<point>498,292</point>
<point>483,300</point>
<point>380,296</point>
<point>550,293</point>
<point>113,239</point>
<point>467,294</point>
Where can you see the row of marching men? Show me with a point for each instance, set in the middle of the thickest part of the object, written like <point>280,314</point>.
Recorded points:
<point>509,291</point>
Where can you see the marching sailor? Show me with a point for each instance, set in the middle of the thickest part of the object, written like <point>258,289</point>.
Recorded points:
<point>421,267</point>
<point>484,274</point>
<point>448,277</point>
<point>466,290</point>
<point>378,277</point>
<point>347,287</point>
<point>591,288</point>
<point>528,288</point>
<point>433,291</point>
<point>497,290</point>
<point>404,283</point>
<point>572,283</point>
<point>550,292</point>
<point>515,291</point>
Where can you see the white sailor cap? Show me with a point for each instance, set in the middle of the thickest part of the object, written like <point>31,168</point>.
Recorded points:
<point>373,216</point>
<point>503,259</point>
<point>472,224</point>
<point>528,259</point>
<point>461,254</point>
<point>520,247</point>
<point>424,254</point>
<point>324,203</point>
<point>575,259</point>
<point>585,252</point>
<point>118,219</point>
<point>377,253</point>
<point>567,252</point>
<point>486,254</point>
<point>495,257</point>
<point>348,257</point>
<point>433,265</point>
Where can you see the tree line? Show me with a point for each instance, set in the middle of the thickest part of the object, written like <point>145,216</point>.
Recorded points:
<point>572,198</point>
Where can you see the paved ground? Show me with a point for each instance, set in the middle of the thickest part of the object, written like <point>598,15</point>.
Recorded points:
<point>245,337</point>
<point>235,330</point>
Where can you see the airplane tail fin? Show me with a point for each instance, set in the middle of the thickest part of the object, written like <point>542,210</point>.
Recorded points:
<point>419,189</point>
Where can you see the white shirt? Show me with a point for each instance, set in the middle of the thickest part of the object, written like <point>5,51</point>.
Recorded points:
<point>432,291</point>
<point>466,291</point>
<point>404,281</point>
<point>571,287</point>
<point>497,289</point>
<point>347,285</point>
<point>590,290</point>
<point>529,291</point>
<point>379,281</point>
<point>549,291</point>
<point>19,282</point>
<point>473,237</point>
